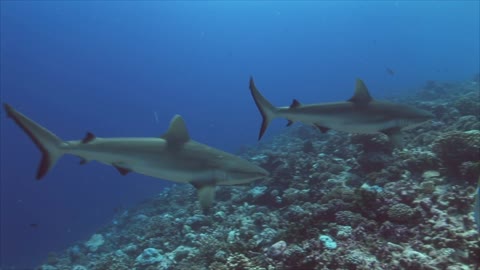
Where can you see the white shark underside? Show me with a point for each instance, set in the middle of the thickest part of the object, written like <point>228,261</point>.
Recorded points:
<point>360,114</point>
<point>173,156</point>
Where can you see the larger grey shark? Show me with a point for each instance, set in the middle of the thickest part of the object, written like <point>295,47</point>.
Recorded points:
<point>359,114</point>
<point>173,156</point>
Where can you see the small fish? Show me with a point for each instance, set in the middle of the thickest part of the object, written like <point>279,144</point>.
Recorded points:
<point>117,209</point>
<point>155,115</point>
<point>476,209</point>
<point>389,71</point>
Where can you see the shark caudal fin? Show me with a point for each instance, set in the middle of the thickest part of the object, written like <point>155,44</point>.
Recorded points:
<point>48,143</point>
<point>267,110</point>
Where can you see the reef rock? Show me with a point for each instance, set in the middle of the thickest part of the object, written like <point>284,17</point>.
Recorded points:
<point>95,242</point>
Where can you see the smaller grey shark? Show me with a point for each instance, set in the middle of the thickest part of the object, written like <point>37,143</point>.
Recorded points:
<point>359,114</point>
<point>173,156</point>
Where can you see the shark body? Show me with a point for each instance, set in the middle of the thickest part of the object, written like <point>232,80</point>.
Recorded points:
<point>359,114</point>
<point>173,156</point>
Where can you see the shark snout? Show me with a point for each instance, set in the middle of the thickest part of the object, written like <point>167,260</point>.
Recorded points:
<point>255,172</point>
<point>423,116</point>
<point>247,174</point>
<point>419,115</point>
<point>262,172</point>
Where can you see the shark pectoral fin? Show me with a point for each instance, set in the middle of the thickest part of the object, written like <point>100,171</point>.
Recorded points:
<point>88,138</point>
<point>177,133</point>
<point>395,135</point>
<point>206,195</point>
<point>322,129</point>
<point>361,97</point>
<point>121,170</point>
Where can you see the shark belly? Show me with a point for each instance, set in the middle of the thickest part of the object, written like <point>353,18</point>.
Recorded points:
<point>351,123</point>
<point>157,164</point>
<point>160,172</point>
<point>364,127</point>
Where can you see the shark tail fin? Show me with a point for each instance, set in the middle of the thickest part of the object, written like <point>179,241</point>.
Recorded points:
<point>268,111</point>
<point>48,143</point>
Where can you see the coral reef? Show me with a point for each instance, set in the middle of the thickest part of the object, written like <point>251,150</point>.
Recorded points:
<point>459,150</point>
<point>334,201</point>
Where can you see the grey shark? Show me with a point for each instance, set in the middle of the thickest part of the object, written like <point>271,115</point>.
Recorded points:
<point>173,156</point>
<point>359,114</point>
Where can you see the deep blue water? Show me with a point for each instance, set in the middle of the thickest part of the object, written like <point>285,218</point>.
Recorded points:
<point>110,67</point>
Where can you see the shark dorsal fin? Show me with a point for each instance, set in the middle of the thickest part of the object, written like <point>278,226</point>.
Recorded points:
<point>361,96</point>
<point>177,132</point>
<point>88,138</point>
<point>295,104</point>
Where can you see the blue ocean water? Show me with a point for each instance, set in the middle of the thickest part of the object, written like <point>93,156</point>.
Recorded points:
<point>121,69</point>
